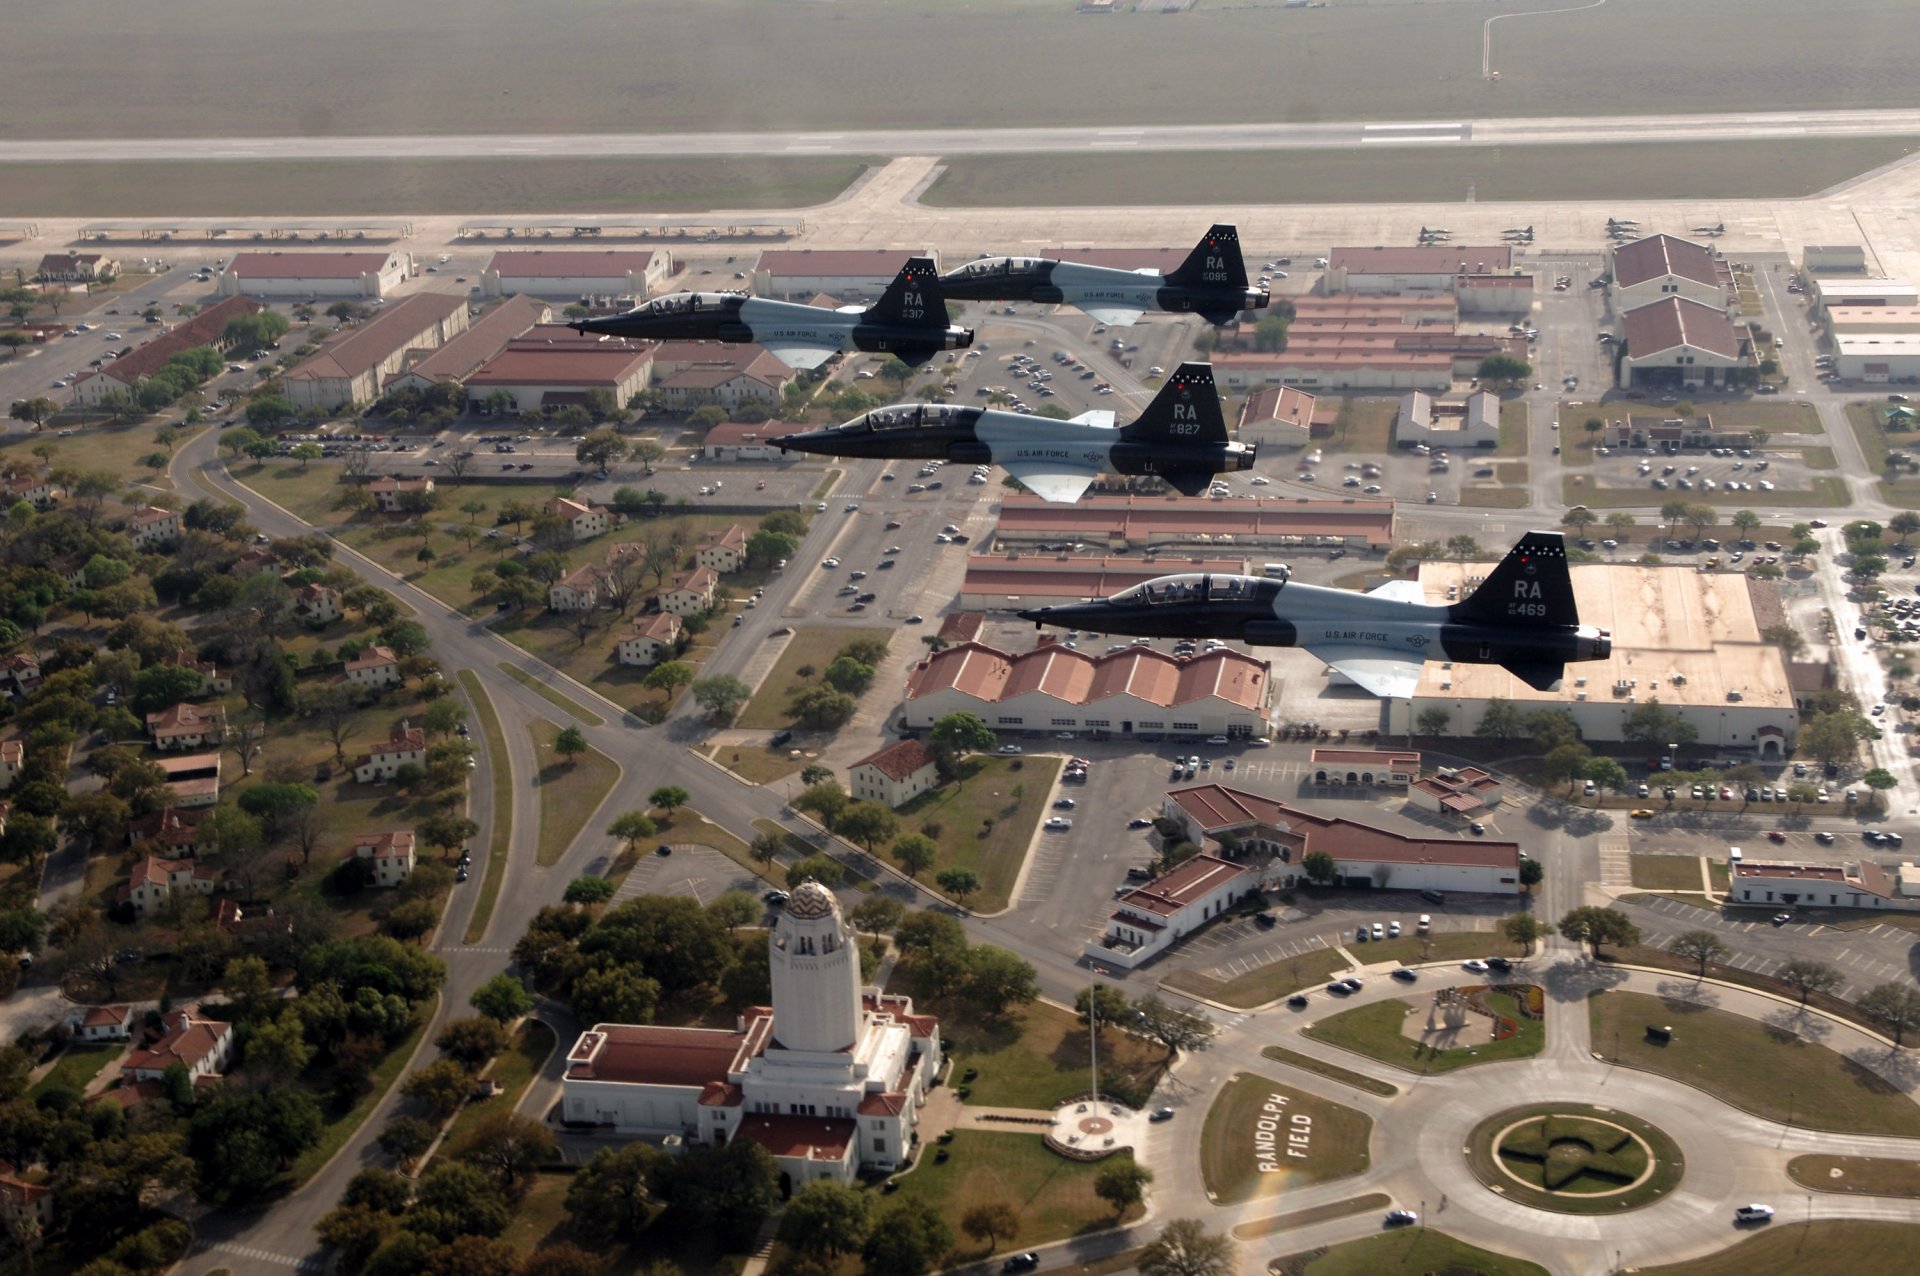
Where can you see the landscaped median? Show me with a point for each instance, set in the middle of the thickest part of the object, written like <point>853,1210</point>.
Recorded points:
<point>1263,1137</point>
<point>1573,1158</point>
<point>570,786</point>
<point>500,837</point>
<point>1263,984</point>
<point>1411,1251</point>
<point>1456,1028</point>
<point>1829,1247</point>
<point>1857,1175</point>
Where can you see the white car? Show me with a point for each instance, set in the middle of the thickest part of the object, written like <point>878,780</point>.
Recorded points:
<point>1259,480</point>
<point>1009,748</point>
<point>829,562</point>
<point>1058,823</point>
<point>1753,1214</point>
<point>1477,966</point>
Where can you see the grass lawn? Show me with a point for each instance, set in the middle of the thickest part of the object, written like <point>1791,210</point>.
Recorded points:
<point>800,847</point>
<point>759,764</point>
<point>1875,443</point>
<point>1857,1175</point>
<point>338,1129</point>
<point>985,821</point>
<point>1331,1071</point>
<point>1666,872</point>
<point>1828,1091</point>
<point>1264,984</point>
<point>1053,1195</point>
<point>76,1066</point>
<point>1829,1247</point>
<point>1363,425</point>
<point>550,638</point>
<point>500,770</point>
<point>1260,1227</point>
<point>1374,1031</point>
<point>1247,1146</point>
<point>515,1071</point>
<point>1507,494</point>
<point>1410,1251</point>
<point>99,447</point>
<point>551,696</point>
<point>1037,1056</point>
<point>1514,417</point>
<point>570,792</point>
<point>1519,1170</point>
<point>1450,945</point>
<point>808,648</point>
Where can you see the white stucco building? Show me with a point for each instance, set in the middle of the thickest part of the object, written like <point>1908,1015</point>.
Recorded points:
<point>830,1080</point>
<point>1151,919</point>
<point>651,639</point>
<point>563,274</point>
<point>1861,884</point>
<point>895,775</point>
<point>1472,424</point>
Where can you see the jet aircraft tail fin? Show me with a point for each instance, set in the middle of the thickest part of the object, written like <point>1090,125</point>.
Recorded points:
<point>1531,585</point>
<point>1214,262</point>
<point>1187,410</point>
<point>913,299</point>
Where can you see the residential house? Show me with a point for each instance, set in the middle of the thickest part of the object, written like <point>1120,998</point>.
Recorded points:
<point>212,681</point>
<point>171,831</point>
<point>19,1196</point>
<point>188,726</point>
<point>194,778</point>
<point>103,1023</point>
<point>895,775</point>
<point>727,553</point>
<point>692,594</point>
<point>652,639</point>
<point>13,760</point>
<point>374,667</point>
<point>316,603</point>
<point>33,489</point>
<point>154,881</point>
<point>254,560</point>
<point>153,527</point>
<point>391,492</point>
<point>389,856</point>
<point>584,521</point>
<point>201,1046</point>
<point>406,745</point>
<point>579,590</point>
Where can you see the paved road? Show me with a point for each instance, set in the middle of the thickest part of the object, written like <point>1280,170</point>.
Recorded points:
<point>1562,131</point>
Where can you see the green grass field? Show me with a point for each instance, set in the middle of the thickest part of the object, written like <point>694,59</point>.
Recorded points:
<point>1825,1248</point>
<point>1374,1031</point>
<point>1410,1251</point>
<point>1000,62</point>
<point>1857,1175</point>
<point>118,448</point>
<point>569,791</point>
<point>1247,1148</point>
<point>1666,872</point>
<point>1875,443</point>
<point>808,648</point>
<point>1263,983</point>
<point>1331,1071</point>
<point>1450,945</point>
<point>76,1066</point>
<point>1013,794</point>
<point>1826,1091</point>
<point>1038,1056</point>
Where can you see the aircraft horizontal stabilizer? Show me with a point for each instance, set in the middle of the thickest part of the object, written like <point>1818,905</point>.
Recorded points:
<point>1101,418</point>
<point>1386,676</point>
<point>1063,486</point>
<point>1541,675</point>
<point>802,357</point>
<point>1399,591</point>
<point>1112,314</point>
<point>1188,482</point>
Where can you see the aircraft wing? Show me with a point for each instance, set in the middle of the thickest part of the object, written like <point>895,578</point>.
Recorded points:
<point>1116,315</point>
<point>1399,591</point>
<point>795,355</point>
<point>1051,483</point>
<point>1387,676</point>
<point>1101,417</point>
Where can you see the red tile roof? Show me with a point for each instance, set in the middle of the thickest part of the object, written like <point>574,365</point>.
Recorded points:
<point>1079,678</point>
<point>890,1104</point>
<point>1673,322</point>
<point>204,329</point>
<point>373,658</point>
<point>365,347</point>
<point>1658,256</point>
<point>188,1040</point>
<point>898,761</point>
<point>1187,882</point>
<point>393,844</point>
<point>529,363</point>
<point>736,433</point>
<point>646,1055</point>
<point>106,1016</point>
<point>186,719</point>
<point>661,626</point>
<point>1216,806</point>
<point>1149,519</point>
<point>815,1138</point>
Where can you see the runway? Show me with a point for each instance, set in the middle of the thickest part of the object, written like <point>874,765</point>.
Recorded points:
<point>1562,131</point>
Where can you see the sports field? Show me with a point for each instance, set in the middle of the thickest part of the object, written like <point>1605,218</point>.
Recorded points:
<point>212,67</point>
<point>1785,169</point>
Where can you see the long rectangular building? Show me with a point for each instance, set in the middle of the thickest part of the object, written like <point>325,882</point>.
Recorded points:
<point>1135,523</point>
<point>563,273</point>
<point>123,375</point>
<point>1013,583</point>
<point>352,369</point>
<point>315,274</point>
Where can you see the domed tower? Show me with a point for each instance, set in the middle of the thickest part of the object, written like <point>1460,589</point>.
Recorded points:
<point>816,974</point>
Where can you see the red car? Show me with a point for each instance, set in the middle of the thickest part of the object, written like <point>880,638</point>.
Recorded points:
<point>1775,835</point>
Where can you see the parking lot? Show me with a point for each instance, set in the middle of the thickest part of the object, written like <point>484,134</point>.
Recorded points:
<point>1867,956</point>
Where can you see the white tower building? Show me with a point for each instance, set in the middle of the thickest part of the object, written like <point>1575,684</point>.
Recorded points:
<point>816,975</point>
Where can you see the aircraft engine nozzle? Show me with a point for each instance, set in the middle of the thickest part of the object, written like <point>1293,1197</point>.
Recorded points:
<point>1591,643</point>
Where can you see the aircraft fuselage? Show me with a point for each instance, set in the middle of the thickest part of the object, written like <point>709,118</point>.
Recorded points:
<point>1094,288</point>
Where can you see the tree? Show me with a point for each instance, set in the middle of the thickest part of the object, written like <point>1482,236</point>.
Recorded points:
<point>406,637</point>
<point>1904,524</point>
<point>611,1196</point>
<point>35,411</point>
<point>821,707</point>
<point>1532,872</point>
<point>1505,370</point>
<point>1895,1007</point>
<point>727,1190</point>
<point>406,1139</point>
<point>1433,721</point>
<point>1567,761</point>
<point>1100,1005</point>
<point>826,800</point>
<point>1787,638</point>
<point>508,1146</point>
<point>991,1220</point>
<point>277,804</point>
<point>503,998</point>
<point>569,744</point>
<point>1599,926</point>
<point>1879,779</point>
<point>1461,547</point>
<point>906,1239</point>
<point>1319,867</point>
<point>588,891</point>
<point>1833,735</point>
<point>825,1220</point>
<point>645,451</point>
<point>1122,1184</point>
<point>1579,518</point>
<point>1810,977</point>
<point>824,869</point>
<point>1605,774</point>
<point>1702,947</point>
<point>440,1087</point>
<point>915,853</point>
<point>721,695</point>
<point>1172,1027</point>
<point>669,797</point>
<point>598,448</point>
<point>1522,929</point>
<point>472,1041</point>
<point>669,676</point>
<point>956,734</point>
<point>877,914</point>
<point>1186,1248</point>
<point>630,828</point>
<point>1500,720</point>
<point>1653,724</point>
<point>958,883</point>
<point>734,909</point>
<point>868,823</point>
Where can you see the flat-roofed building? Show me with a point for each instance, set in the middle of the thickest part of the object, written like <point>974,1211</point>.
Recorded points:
<point>124,375</point>
<point>316,273</point>
<point>1463,790</point>
<point>1846,259</point>
<point>748,441</point>
<point>1877,358</point>
<point>1365,768</point>
<point>1844,321</point>
<point>1136,523</point>
<point>1278,416</point>
<point>1156,915</point>
<point>1670,434</point>
<point>1661,266</point>
<point>850,275</point>
<point>1364,856</point>
<point>1473,424</point>
<point>1861,884</point>
<point>576,273</point>
<point>465,354</point>
<point>1677,343</point>
<point>1138,691</point>
<point>1691,639</point>
<point>1825,293</point>
<point>351,369</point>
<point>1380,268</point>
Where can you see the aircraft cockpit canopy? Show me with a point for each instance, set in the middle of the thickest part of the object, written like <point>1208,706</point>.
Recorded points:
<point>906,416</point>
<point>988,267</point>
<point>684,303</point>
<point>1191,587</point>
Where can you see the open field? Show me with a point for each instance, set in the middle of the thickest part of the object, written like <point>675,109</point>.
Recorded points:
<point>118,448</point>
<point>1825,1248</point>
<point>808,648</point>
<point>1439,174</point>
<point>1666,872</point>
<point>1375,1031</point>
<point>1262,984</point>
<point>1865,418</point>
<point>1038,1055</point>
<point>1857,1175</point>
<point>570,791</point>
<point>581,69</point>
<point>1826,1091</point>
<point>500,770</point>
<point>985,821</point>
<point>374,187</point>
<point>1411,1251</point>
<point>1363,425</point>
<point>1248,1134</point>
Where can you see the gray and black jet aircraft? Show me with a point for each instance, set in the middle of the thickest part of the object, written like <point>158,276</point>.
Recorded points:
<point>1211,283</point>
<point>1522,618</point>
<point>909,321</point>
<point>1181,436</point>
